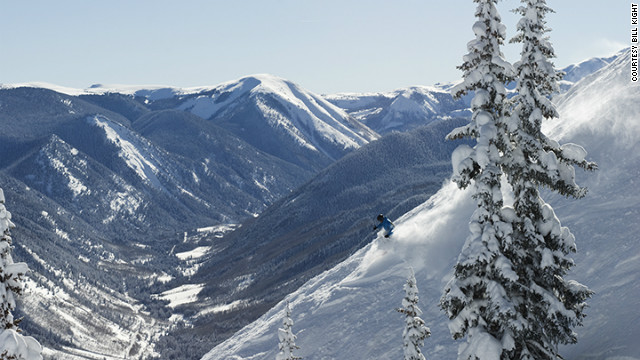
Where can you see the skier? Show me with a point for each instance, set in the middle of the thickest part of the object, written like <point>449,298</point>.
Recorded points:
<point>386,224</point>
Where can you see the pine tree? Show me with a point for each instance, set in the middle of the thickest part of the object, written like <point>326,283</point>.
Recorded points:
<point>549,305</point>
<point>415,330</point>
<point>11,280</point>
<point>12,344</point>
<point>287,339</point>
<point>475,298</point>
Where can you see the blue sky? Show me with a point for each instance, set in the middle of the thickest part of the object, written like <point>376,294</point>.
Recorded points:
<point>325,46</point>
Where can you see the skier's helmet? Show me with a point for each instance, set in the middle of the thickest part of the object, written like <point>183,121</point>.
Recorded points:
<point>380,217</point>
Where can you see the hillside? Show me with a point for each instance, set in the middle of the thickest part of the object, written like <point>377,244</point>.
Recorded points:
<point>112,193</point>
<point>315,227</point>
<point>349,308</point>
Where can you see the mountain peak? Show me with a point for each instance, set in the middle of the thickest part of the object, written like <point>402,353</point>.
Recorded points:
<point>268,111</point>
<point>264,84</point>
<point>265,80</point>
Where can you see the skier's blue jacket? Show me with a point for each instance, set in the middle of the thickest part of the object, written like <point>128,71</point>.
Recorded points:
<point>386,224</point>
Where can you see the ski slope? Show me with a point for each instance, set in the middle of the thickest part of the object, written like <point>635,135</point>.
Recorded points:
<point>348,311</point>
<point>350,308</point>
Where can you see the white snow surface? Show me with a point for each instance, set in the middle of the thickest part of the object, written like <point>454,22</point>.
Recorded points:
<point>144,165</point>
<point>196,253</point>
<point>23,347</point>
<point>348,311</point>
<point>182,294</point>
<point>76,186</point>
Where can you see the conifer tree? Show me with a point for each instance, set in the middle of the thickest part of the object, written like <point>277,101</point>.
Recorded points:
<point>415,330</point>
<point>549,305</point>
<point>12,344</point>
<point>287,339</point>
<point>475,298</point>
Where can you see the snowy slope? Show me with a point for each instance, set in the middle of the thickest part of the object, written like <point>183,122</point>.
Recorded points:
<point>602,113</point>
<point>76,181</point>
<point>137,153</point>
<point>318,225</point>
<point>348,310</point>
<point>309,112</point>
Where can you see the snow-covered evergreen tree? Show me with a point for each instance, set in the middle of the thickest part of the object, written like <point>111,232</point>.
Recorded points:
<point>287,339</point>
<point>549,305</point>
<point>475,298</point>
<point>12,344</point>
<point>415,330</point>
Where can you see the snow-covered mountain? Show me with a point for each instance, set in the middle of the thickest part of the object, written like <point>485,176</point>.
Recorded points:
<point>349,310</point>
<point>575,72</point>
<point>103,185</point>
<point>280,118</point>
<point>220,157</point>
<point>415,106</point>
<point>403,109</point>
<point>121,197</point>
<point>249,142</point>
